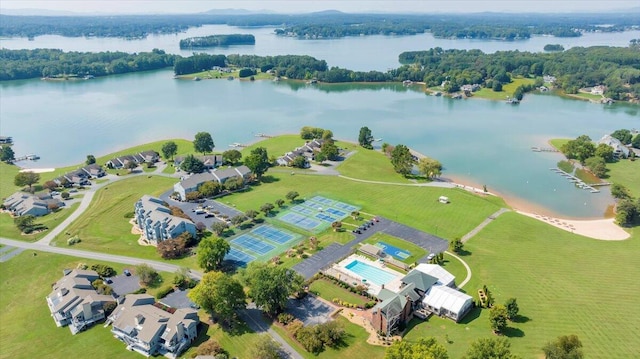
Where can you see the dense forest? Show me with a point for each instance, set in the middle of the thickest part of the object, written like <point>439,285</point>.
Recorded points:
<point>217,40</point>
<point>291,66</point>
<point>328,24</point>
<point>26,64</point>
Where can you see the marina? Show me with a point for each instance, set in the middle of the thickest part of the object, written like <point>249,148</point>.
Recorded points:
<point>578,182</point>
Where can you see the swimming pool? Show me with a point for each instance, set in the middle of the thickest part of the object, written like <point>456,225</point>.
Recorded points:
<point>370,273</point>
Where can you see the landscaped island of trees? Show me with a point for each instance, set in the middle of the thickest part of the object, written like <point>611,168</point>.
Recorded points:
<point>217,40</point>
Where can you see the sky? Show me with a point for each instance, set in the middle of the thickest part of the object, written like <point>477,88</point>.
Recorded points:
<point>297,6</point>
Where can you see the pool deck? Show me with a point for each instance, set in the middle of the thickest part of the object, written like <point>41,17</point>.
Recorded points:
<point>393,285</point>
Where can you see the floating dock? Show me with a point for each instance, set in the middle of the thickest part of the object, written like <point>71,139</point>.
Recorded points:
<point>578,182</point>
<point>543,149</point>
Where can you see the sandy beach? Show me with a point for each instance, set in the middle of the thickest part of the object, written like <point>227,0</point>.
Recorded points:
<point>603,229</point>
<point>38,170</point>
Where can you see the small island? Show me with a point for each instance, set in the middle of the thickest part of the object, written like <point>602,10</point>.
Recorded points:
<point>217,40</point>
<point>553,47</point>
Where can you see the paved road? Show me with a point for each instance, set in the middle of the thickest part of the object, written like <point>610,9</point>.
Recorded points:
<point>253,317</point>
<point>484,223</point>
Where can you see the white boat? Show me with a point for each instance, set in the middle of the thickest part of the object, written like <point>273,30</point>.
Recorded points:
<point>378,139</point>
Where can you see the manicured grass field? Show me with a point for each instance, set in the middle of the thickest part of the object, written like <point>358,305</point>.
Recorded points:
<point>328,291</point>
<point>354,346</point>
<point>7,174</point>
<point>218,75</point>
<point>358,165</point>
<point>103,228</point>
<point>238,343</point>
<point>416,206</point>
<point>558,142</point>
<point>415,251</point>
<point>26,327</point>
<point>276,146</point>
<point>9,230</point>
<point>586,96</point>
<point>507,89</point>
<point>626,173</point>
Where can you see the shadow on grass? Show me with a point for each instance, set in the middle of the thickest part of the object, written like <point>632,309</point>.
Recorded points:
<point>203,328</point>
<point>513,332</point>
<point>471,316</point>
<point>521,319</point>
<point>463,253</point>
<point>269,179</point>
<point>244,226</point>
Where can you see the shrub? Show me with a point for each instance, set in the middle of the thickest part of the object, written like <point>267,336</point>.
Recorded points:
<point>103,270</point>
<point>294,327</point>
<point>108,307</point>
<point>140,291</point>
<point>82,266</point>
<point>285,318</point>
<point>129,215</point>
<point>210,347</point>
<point>73,240</point>
<point>65,195</point>
<point>164,292</point>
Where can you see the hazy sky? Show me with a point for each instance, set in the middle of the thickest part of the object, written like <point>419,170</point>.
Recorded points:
<point>292,6</point>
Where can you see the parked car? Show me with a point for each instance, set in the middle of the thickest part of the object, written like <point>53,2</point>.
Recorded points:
<point>55,193</point>
<point>431,256</point>
<point>108,280</point>
<point>127,272</point>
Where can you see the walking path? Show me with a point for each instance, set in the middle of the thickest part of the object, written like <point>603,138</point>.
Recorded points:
<point>468,277</point>
<point>484,223</point>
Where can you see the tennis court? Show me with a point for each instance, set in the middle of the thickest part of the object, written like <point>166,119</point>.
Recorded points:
<point>239,257</point>
<point>312,205</point>
<point>323,200</point>
<point>273,234</point>
<point>325,217</point>
<point>347,207</point>
<point>336,212</point>
<point>393,251</point>
<point>252,243</point>
<point>303,210</point>
<point>300,221</point>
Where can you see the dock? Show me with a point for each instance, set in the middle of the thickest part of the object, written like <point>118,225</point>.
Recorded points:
<point>236,144</point>
<point>30,157</point>
<point>578,182</point>
<point>544,149</point>
<point>263,135</point>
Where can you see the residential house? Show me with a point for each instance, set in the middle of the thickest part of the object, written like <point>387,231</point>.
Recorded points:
<point>137,158</point>
<point>77,177</point>
<point>157,223</point>
<point>5,140</point>
<point>191,183</point>
<point>149,156</point>
<point>210,161</point>
<point>619,149</point>
<point>74,301</point>
<point>549,79</point>
<point>598,90</point>
<point>94,170</point>
<point>150,330</point>
<point>21,204</point>
<point>426,288</point>
<point>470,88</point>
<point>308,150</point>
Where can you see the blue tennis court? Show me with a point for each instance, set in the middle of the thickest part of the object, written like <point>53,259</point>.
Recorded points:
<point>393,251</point>
<point>312,204</point>
<point>303,210</point>
<point>273,234</point>
<point>336,212</point>
<point>252,243</point>
<point>347,207</point>
<point>325,217</point>
<point>238,256</point>
<point>323,200</point>
<point>300,221</point>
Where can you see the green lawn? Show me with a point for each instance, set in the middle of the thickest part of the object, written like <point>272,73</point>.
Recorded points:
<point>415,251</point>
<point>507,89</point>
<point>7,174</point>
<point>238,343</point>
<point>586,96</point>
<point>328,291</point>
<point>626,173</point>
<point>9,230</point>
<point>354,346</point>
<point>557,143</point>
<point>564,283</point>
<point>276,146</point>
<point>26,327</point>
<point>359,165</point>
<point>416,206</point>
<point>103,226</point>
<point>213,75</point>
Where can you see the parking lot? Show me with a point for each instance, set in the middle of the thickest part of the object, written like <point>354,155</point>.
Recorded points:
<point>122,284</point>
<point>189,209</point>
<point>178,299</point>
<point>310,310</point>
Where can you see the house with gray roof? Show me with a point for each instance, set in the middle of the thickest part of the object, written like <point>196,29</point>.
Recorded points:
<point>157,223</point>
<point>308,151</point>
<point>22,203</point>
<point>619,149</point>
<point>209,161</point>
<point>191,183</point>
<point>75,303</point>
<point>137,158</point>
<point>94,170</point>
<point>150,330</point>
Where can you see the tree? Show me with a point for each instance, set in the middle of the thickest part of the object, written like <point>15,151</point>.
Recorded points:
<point>498,318</point>
<point>210,347</point>
<point>169,149</point>
<point>257,161</point>
<point>327,135</point>
<point>50,185</point>
<point>291,196</point>
<point>330,150</point>
<point>299,162</point>
<point>430,167</point>
<point>91,159</point>
<point>279,202</point>
<point>597,166</point>
<point>266,348</point>
<point>219,293</point>
<point>146,274</point>
<point>211,252</point>
<point>313,242</point>
<point>203,142</point>
<point>251,214</point>
<point>24,222</point>
<point>320,157</point>
<point>365,139</point>
<point>564,347</point>
<point>190,164</point>
<point>270,287</point>
<point>219,227</point>
<point>402,160</point>
<point>581,148</point>
<point>65,195</point>
<point>26,179</point>
<point>172,248</point>
<point>131,165</point>
<point>620,192</point>
<point>494,348</point>
<point>456,245</point>
<point>605,152</point>
<point>267,208</point>
<point>512,308</point>
<point>7,155</point>
<point>497,86</point>
<point>424,348</point>
<point>636,141</point>
<point>181,278</point>
<point>336,226</point>
<point>231,157</point>
<point>234,183</point>
<point>623,135</point>
<point>209,188</point>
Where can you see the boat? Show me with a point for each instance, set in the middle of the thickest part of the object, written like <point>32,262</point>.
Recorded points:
<point>196,78</point>
<point>32,157</point>
<point>407,82</point>
<point>378,139</point>
<point>513,101</point>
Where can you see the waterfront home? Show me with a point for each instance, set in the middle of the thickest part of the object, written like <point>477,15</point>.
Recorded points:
<point>6,140</point>
<point>598,90</point>
<point>470,88</point>
<point>138,158</point>
<point>191,183</point>
<point>210,161</point>
<point>157,223</point>
<point>22,203</point>
<point>619,149</point>
<point>94,170</point>
<point>74,302</point>
<point>549,79</point>
<point>428,288</point>
<point>308,150</point>
<point>150,330</point>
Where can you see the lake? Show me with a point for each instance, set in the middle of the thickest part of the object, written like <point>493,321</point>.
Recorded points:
<point>479,142</point>
<point>356,53</point>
